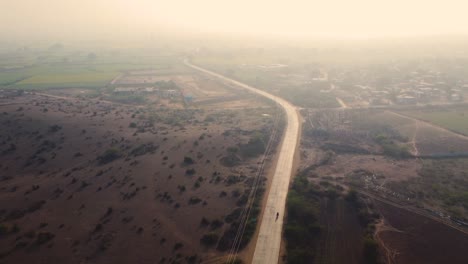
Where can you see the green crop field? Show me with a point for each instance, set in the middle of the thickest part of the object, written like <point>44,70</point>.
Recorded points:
<point>65,70</point>
<point>453,119</point>
<point>90,77</point>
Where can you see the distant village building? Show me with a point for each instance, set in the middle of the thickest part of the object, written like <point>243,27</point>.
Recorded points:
<point>169,93</point>
<point>406,99</point>
<point>125,90</point>
<point>150,89</point>
<point>456,97</point>
<point>10,93</point>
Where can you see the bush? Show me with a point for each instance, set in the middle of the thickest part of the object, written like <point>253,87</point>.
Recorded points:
<point>209,239</point>
<point>390,148</point>
<point>194,200</point>
<point>54,128</point>
<point>44,237</point>
<point>302,229</point>
<point>3,230</point>
<point>144,149</point>
<point>371,251</point>
<point>190,172</point>
<point>215,224</point>
<point>300,256</point>
<point>188,161</point>
<point>109,156</point>
<point>181,188</point>
<point>255,147</point>
<point>230,160</point>
<point>352,197</point>
<point>233,216</point>
<point>178,246</point>
<point>204,222</point>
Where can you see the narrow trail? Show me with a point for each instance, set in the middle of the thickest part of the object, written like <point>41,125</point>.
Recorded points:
<point>390,254</point>
<point>439,128</point>
<point>413,142</point>
<point>341,102</point>
<point>116,79</point>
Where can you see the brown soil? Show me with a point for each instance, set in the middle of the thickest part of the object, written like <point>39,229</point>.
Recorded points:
<point>70,206</point>
<point>417,239</point>
<point>341,235</point>
<point>392,170</point>
<point>428,138</point>
<point>356,159</point>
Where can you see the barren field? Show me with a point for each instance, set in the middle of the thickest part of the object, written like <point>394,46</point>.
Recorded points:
<point>374,151</point>
<point>341,236</point>
<point>452,118</point>
<point>412,238</point>
<point>93,181</point>
<point>423,138</point>
<point>390,170</point>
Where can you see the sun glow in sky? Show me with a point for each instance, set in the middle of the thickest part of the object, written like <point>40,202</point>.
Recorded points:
<point>337,18</point>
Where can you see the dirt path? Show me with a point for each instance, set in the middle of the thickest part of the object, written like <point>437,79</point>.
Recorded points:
<point>414,141</point>
<point>341,102</point>
<point>439,128</point>
<point>117,78</point>
<point>390,254</point>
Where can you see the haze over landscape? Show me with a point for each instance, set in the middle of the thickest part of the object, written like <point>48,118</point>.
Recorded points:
<point>229,132</point>
<point>336,18</point>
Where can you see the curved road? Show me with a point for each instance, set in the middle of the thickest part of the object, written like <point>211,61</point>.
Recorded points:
<point>268,245</point>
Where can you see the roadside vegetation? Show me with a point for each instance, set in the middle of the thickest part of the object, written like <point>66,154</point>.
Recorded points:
<point>314,211</point>
<point>302,229</point>
<point>442,184</point>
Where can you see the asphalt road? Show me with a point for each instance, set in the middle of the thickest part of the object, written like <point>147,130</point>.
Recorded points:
<point>268,245</point>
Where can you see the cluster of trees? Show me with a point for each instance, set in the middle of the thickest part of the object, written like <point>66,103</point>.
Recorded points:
<point>302,228</point>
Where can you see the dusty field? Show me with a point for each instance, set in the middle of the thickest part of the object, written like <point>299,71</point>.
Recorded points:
<point>391,170</point>
<point>454,118</point>
<point>415,239</point>
<point>141,79</point>
<point>363,149</point>
<point>424,138</point>
<point>85,181</point>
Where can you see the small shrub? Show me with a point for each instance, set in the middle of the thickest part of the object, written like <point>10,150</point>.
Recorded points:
<point>209,239</point>
<point>215,224</point>
<point>109,156</point>
<point>194,200</point>
<point>44,237</point>
<point>188,161</point>
<point>204,222</point>
<point>190,172</point>
<point>178,246</point>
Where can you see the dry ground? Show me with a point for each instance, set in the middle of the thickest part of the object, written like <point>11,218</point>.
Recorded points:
<point>416,239</point>
<point>341,148</point>
<point>86,181</point>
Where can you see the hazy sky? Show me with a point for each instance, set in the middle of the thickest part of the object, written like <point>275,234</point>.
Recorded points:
<point>336,18</point>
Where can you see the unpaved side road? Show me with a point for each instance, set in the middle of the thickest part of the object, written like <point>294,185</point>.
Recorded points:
<point>267,249</point>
